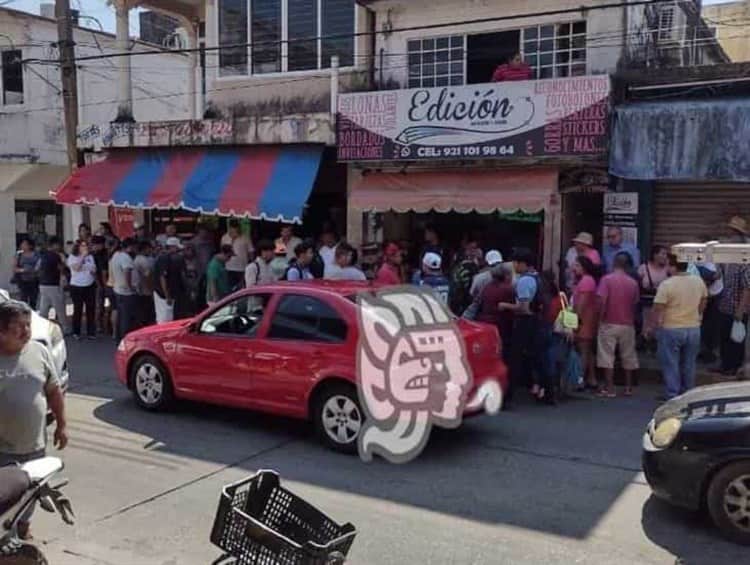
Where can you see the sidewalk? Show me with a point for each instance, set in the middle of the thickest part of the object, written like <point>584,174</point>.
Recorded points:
<point>650,372</point>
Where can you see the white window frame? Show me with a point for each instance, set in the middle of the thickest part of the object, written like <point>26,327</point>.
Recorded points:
<point>450,36</point>
<point>671,33</point>
<point>537,68</point>
<point>23,80</point>
<point>284,46</point>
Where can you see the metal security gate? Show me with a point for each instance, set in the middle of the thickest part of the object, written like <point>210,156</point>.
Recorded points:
<point>688,212</point>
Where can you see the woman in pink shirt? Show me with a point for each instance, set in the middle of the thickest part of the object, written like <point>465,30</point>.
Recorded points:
<point>586,305</point>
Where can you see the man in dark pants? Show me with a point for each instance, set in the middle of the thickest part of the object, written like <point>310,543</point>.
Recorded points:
<point>127,301</point>
<point>527,355</point>
<point>734,301</point>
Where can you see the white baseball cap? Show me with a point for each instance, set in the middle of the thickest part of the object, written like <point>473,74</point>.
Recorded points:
<point>493,257</point>
<point>432,261</point>
<point>173,242</point>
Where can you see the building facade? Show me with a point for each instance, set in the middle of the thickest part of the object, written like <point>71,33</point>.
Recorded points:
<point>730,23</point>
<point>33,158</point>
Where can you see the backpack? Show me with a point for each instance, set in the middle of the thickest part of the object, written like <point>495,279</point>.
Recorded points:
<point>460,284</point>
<point>542,300</point>
<point>293,266</point>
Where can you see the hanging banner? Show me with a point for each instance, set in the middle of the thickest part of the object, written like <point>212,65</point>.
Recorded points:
<point>123,222</point>
<point>553,117</point>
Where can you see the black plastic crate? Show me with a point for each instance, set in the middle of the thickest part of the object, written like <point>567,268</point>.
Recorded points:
<point>259,522</point>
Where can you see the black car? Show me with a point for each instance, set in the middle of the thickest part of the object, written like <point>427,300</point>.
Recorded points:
<point>696,454</point>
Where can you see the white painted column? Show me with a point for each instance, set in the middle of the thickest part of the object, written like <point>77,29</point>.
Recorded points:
<point>124,79</point>
<point>334,89</point>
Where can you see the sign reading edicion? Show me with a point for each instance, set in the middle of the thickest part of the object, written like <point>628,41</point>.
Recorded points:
<point>553,117</point>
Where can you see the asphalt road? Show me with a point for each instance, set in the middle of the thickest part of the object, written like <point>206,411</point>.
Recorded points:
<point>536,485</point>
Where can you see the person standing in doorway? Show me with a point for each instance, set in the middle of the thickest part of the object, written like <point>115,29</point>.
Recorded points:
<point>678,307</point>
<point>169,231</point>
<point>217,279</point>
<point>619,296</point>
<point>29,386</point>
<point>27,272</point>
<point>242,250</point>
<point>288,241</point>
<point>51,292</point>
<point>122,266</point>
<point>389,272</point>
<point>83,289</point>
<point>615,245</point>
<point>259,272</point>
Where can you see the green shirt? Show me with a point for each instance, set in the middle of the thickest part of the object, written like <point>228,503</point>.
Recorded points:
<point>217,273</point>
<point>25,380</point>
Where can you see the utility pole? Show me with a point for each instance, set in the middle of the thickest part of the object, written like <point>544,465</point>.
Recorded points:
<point>66,48</point>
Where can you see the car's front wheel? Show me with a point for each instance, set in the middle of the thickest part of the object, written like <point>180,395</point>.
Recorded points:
<point>338,417</point>
<point>728,501</point>
<point>150,382</point>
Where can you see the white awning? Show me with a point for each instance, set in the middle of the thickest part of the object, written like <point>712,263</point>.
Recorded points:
<point>36,181</point>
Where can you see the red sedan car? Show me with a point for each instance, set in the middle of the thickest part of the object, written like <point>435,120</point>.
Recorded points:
<point>286,349</point>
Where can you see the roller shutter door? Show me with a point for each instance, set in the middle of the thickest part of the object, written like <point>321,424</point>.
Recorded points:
<point>696,211</point>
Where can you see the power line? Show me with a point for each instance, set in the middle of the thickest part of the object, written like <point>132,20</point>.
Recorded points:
<point>580,9</point>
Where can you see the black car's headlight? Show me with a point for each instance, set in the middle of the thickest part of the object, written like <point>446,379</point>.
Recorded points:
<point>665,433</point>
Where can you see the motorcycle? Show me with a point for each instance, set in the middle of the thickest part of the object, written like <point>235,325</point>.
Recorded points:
<point>21,487</point>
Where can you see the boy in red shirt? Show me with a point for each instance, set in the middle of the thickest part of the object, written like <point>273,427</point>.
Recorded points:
<point>514,69</point>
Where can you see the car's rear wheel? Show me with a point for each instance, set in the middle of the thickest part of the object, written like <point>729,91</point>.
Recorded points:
<point>728,501</point>
<point>151,384</point>
<point>338,417</point>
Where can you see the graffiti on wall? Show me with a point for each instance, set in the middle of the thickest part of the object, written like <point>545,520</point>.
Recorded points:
<point>140,134</point>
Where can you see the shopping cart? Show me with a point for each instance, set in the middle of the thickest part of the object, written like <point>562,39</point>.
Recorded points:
<point>260,523</point>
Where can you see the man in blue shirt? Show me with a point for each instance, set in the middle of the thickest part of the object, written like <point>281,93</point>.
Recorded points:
<point>432,275</point>
<point>616,245</point>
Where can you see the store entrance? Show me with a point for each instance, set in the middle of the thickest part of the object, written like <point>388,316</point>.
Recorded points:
<point>501,231</point>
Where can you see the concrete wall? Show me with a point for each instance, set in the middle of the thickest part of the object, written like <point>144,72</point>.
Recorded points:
<point>732,23</point>
<point>291,92</point>
<point>604,27</point>
<point>34,131</point>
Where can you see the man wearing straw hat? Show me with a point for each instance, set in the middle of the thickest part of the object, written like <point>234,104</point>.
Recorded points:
<point>734,301</point>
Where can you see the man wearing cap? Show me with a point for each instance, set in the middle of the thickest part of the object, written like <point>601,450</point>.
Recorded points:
<point>389,272</point>
<point>734,301</point>
<point>169,288</point>
<point>122,266</point>
<point>432,275</point>
<point>615,245</point>
<point>484,277</point>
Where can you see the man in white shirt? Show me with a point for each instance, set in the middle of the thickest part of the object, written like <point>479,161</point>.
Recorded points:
<point>260,271</point>
<point>289,241</point>
<point>169,231</point>
<point>342,269</point>
<point>328,245</point>
<point>243,250</point>
<point>123,285</point>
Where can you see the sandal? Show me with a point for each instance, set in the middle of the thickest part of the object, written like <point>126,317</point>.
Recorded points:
<point>604,393</point>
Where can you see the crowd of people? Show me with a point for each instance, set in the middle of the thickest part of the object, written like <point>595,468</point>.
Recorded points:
<point>117,286</point>
<point>619,303</point>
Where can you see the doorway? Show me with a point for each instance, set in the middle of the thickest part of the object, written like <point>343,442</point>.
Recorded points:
<point>486,51</point>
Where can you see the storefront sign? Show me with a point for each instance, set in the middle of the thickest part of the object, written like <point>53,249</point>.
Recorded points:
<point>123,222</point>
<point>554,117</point>
<point>621,210</point>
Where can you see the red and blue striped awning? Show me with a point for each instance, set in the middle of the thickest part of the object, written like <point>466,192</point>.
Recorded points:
<point>263,182</point>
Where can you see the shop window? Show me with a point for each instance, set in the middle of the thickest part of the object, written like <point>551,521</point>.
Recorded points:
<point>667,30</point>
<point>556,50</point>
<point>12,76</point>
<point>285,35</point>
<point>485,51</point>
<point>436,61</point>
